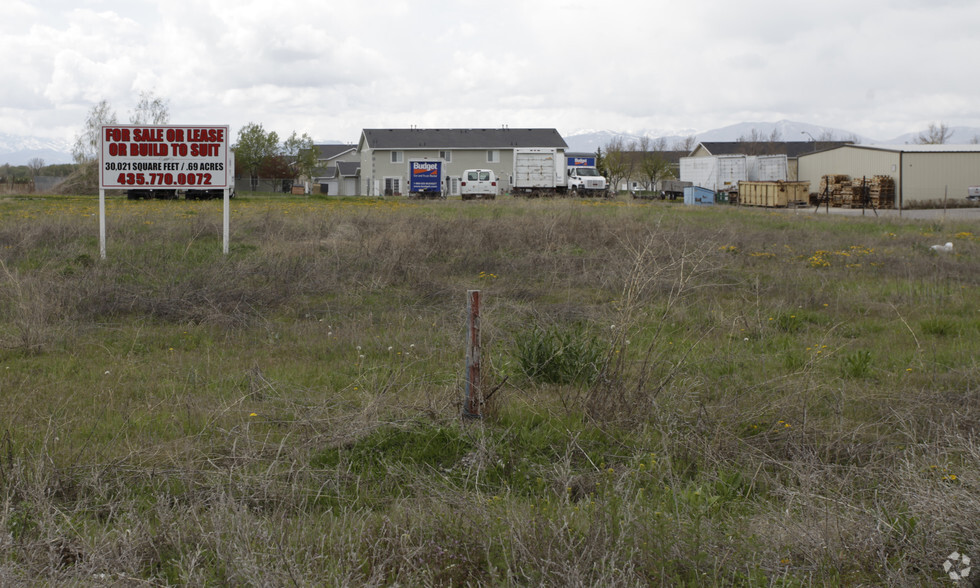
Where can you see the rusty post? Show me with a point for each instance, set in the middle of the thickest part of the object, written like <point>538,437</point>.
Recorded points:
<point>471,402</point>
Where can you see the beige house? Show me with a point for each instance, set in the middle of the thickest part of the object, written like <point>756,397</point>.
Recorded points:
<point>922,173</point>
<point>337,170</point>
<point>385,154</point>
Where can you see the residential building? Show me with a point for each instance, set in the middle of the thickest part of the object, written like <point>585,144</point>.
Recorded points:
<point>337,170</point>
<point>385,154</point>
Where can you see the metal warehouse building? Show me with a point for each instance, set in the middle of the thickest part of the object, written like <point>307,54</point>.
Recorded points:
<point>922,173</point>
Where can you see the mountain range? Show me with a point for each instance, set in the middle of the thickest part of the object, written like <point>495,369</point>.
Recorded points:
<point>588,141</point>
<point>19,150</point>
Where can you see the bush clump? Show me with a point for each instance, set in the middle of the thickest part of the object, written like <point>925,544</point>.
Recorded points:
<point>557,355</point>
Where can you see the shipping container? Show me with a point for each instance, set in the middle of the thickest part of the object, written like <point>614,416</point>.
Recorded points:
<point>770,168</point>
<point>773,193</point>
<point>719,173</point>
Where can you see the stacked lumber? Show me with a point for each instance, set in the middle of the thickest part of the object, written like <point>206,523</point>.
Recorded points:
<point>882,191</point>
<point>844,191</point>
<point>833,186</point>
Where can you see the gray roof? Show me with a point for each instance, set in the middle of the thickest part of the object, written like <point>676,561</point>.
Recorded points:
<point>462,138</point>
<point>916,148</point>
<point>348,168</point>
<point>328,172</point>
<point>331,151</point>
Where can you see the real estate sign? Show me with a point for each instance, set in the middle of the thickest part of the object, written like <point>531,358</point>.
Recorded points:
<point>164,157</point>
<point>152,157</point>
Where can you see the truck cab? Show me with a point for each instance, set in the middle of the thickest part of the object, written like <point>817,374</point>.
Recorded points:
<point>584,178</point>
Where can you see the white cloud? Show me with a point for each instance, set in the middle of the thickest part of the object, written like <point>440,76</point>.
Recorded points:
<point>878,67</point>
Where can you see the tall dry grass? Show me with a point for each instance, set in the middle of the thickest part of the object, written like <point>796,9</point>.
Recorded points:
<point>288,414</point>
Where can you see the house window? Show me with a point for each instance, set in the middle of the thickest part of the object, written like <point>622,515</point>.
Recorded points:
<point>392,186</point>
<point>493,156</point>
<point>397,157</point>
<point>446,156</point>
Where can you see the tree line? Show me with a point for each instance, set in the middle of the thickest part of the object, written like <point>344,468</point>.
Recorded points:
<point>643,161</point>
<point>258,153</point>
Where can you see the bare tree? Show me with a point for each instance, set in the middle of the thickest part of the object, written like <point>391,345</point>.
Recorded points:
<point>87,142</point>
<point>687,144</point>
<point>150,110</point>
<point>616,162</point>
<point>935,135</point>
<point>750,144</point>
<point>654,165</point>
<point>35,165</point>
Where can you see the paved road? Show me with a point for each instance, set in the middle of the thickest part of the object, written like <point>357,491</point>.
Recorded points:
<point>958,214</point>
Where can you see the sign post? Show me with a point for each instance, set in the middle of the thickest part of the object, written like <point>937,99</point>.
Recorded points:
<point>102,223</point>
<point>164,158</point>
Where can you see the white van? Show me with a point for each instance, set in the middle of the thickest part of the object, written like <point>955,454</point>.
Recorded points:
<point>478,183</point>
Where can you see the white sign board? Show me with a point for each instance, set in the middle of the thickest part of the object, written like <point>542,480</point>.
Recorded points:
<point>164,157</point>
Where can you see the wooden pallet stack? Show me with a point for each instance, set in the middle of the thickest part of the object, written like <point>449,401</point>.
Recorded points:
<point>834,185</point>
<point>882,191</point>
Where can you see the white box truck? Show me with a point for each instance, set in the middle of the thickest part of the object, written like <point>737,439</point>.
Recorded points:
<point>538,171</point>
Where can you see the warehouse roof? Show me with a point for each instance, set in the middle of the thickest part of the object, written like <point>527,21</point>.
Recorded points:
<point>461,138</point>
<point>923,148</point>
<point>788,148</point>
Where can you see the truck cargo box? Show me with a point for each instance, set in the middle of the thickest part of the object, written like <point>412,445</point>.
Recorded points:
<point>539,169</point>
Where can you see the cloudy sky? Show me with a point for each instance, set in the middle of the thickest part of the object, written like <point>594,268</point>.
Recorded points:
<point>879,68</point>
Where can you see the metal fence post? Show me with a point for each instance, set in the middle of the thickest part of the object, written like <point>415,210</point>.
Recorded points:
<point>471,402</point>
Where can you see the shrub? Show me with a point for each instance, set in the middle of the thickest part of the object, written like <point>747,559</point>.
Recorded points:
<point>559,356</point>
<point>857,364</point>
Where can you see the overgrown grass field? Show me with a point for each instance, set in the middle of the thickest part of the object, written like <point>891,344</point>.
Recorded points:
<point>679,397</point>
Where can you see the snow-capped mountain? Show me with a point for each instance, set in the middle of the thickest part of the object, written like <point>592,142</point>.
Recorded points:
<point>784,130</point>
<point>958,136</point>
<point>18,150</point>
